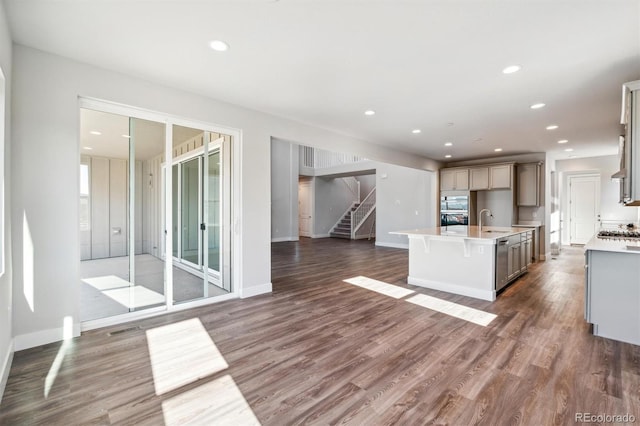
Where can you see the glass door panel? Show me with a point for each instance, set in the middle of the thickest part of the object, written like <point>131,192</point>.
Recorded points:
<point>175,216</point>
<point>197,206</point>
<point>147,140</point>
<point>122,265</point>
<point>213,222</point>
<point>190,212</point>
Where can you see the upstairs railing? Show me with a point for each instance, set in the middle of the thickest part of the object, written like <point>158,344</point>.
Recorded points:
<point>320,159</point>
<point>360,214</point>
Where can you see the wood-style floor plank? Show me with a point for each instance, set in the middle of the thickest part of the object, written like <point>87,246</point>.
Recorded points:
<point>319,350</point>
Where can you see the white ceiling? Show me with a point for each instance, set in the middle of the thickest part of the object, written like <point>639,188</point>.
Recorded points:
<point>418,64</point>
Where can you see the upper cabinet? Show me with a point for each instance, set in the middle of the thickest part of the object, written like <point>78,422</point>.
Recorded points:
<point>478,178</point>
<point>454,180</point>
<point>528,184</point>
<point>500,176</point>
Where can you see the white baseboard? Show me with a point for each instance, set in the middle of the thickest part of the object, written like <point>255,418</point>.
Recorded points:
<point>5,367</point>
<point>255,290</point>
<point>39,338</point>
<point>281,239</point>
<point>543,257</point>
<point>320,236</point>
<point>489,295</point>
<point>393,245</point>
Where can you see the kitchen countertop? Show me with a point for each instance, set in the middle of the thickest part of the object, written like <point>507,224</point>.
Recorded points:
<point>614,245</point>
<point>460,232</point>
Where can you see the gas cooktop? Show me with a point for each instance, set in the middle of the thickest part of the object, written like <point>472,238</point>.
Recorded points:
<point>619,234</point>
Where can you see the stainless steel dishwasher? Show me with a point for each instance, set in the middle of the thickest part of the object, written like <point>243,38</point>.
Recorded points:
<point>502,255</point>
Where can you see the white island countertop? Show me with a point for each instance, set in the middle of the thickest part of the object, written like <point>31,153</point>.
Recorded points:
<point>488,234</point>
<point>618,245</point>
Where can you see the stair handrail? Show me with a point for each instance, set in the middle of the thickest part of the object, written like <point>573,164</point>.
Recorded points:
<point>362,212</point>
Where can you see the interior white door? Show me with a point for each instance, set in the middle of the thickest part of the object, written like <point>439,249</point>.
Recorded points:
<point>584,208</point>
<point>305,219</point>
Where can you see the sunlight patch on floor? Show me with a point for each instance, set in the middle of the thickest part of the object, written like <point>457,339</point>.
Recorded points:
<point>218,402</point>
<point>107,282</point>
<point>67,335</point>
<point>182,353</point>
<point>466,313</point>
<point>121,291</point>
<point>380,287</point>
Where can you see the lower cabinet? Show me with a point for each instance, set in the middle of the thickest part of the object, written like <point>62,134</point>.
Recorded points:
<point>612,294</point>
<point>513,256</point>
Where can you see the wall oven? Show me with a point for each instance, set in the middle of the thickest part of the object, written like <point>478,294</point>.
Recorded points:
<point>454,210</point>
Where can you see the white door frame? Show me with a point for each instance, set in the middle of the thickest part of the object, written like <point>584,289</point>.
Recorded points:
<point>236,207</point>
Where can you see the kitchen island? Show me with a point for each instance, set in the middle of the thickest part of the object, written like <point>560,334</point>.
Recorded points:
<point>466,260</point>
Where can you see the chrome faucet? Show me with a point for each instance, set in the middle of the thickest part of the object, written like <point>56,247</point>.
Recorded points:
<point>480,217</point>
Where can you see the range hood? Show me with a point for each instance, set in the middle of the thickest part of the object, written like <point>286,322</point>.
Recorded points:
<point>629,173</point>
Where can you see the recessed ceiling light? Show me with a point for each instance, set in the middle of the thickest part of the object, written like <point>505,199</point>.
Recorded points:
<point>511,69</point>
<point>537,106</point>
<point>448,143</point>
<point>552,127</point>
<point>126,136</point>
<point>447,156</point>
<point>569,149</point>
<point>416,131</point>
<point>369,112</point>
<point>95,132</point>
<point>88,148</point>
<point>219,45</point>
<point>498,149</point>
<point>563,141</point>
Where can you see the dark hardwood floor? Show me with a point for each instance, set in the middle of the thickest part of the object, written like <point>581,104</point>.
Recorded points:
<point>321,351</point>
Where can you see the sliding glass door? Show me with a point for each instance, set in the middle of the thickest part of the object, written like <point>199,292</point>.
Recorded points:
<point>145,184</point>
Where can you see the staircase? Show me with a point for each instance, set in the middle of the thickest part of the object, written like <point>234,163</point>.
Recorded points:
<point>343,228</point>
<point>349,226</point>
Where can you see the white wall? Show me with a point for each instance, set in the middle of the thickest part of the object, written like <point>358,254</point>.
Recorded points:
<point>610,208</point>
<point>6,335</point>
<point>405,199</point>
<point>284,191</point>
<point>45,180</point>
<point>367,183</point>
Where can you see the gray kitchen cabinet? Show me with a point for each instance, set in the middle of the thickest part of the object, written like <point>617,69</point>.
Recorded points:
<point>612,294</point>
<point>454,179</point>
<point>526,244</point>
<point>513,259</point>
<point>500,176</point>
<point>478,178</point>
<point>528,182</point>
